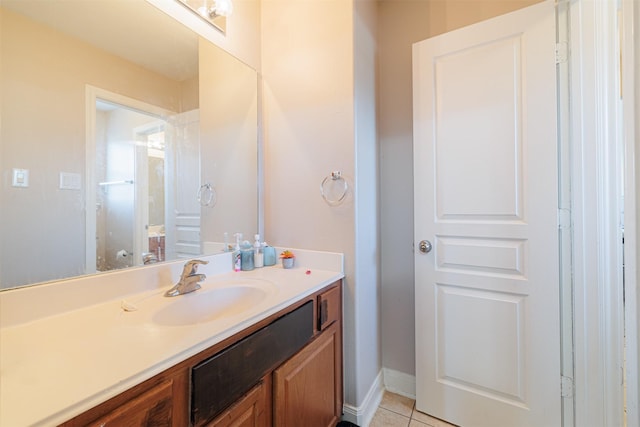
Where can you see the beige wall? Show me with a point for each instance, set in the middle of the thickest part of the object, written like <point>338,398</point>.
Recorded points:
<point>307,69</point>
<point>308,72</point>
<point>42,93</point>
<point>190,94</point>
<point>447,15</point>
<point>228,144</point>
<point>402,23</point>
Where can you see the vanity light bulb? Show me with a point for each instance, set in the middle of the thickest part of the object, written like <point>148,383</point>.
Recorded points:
<point>203,11</point>
<point>223,7</point>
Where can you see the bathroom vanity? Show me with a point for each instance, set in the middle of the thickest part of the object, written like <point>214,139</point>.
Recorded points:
<point>255,348</point>
<point>286,368</point>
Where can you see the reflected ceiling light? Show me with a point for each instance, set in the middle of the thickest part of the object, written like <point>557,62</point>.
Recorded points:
<point>215,8</point>
<point>212,11</point>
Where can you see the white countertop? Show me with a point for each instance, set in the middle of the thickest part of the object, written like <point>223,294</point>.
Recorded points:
<point>58,365</point>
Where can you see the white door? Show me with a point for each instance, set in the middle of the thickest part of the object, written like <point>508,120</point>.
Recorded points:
<point>487,294</point>
<point>185,168</point>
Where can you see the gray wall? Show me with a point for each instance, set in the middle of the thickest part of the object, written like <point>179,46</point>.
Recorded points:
<point>402,23</point>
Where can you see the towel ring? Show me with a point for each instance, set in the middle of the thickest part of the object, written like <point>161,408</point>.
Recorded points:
<point>206,195</point>
<point>334,188</point>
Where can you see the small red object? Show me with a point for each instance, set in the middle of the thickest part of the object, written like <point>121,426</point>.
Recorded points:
<point>308,272</point>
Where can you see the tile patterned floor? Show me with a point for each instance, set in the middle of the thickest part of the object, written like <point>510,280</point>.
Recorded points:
<point>400,411</point>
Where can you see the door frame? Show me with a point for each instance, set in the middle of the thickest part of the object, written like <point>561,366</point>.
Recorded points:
<point>597,153</point>
<point>92,94</point>
<point>629,21</point>
<point>533,28</point>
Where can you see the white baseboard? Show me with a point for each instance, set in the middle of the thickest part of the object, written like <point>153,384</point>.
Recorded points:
<point>387,379</point>
<point>363,414</point>
<point>399,383</point>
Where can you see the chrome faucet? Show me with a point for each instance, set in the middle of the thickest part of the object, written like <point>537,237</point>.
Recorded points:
<point>188,280</point>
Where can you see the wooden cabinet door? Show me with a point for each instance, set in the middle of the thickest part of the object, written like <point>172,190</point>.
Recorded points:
<point>250,411</point>
<point>308,387</point>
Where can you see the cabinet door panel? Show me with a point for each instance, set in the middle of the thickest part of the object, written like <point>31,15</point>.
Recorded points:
<point>250,411</point>
<point>307,388</point>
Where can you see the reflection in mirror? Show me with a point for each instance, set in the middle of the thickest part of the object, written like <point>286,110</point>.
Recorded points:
<point>214,12</point>
<point>130,149</point>
<point>69,70</point>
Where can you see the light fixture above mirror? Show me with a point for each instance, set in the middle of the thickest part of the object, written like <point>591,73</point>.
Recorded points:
<point>215,12</point>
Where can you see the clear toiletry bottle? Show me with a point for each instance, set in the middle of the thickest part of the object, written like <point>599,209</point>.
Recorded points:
<point>237,254</point>
<point>258,253</point>
<point>246,251</point>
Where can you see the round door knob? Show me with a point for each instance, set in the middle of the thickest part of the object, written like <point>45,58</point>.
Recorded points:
<point>425,246</point>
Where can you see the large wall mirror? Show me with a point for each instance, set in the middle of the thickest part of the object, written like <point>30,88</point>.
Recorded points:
<point>125,139</point>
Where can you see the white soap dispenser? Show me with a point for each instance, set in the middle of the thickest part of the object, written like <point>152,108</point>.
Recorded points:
<point>258,255</point>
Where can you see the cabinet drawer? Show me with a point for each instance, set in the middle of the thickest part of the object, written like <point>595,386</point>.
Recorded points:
<point>328,307</point>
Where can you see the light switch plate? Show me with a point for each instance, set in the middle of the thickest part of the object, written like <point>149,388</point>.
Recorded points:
<point>69,181</point>
<point>20,178</point>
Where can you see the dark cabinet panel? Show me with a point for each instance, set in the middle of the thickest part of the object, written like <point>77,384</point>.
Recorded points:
<point>224,378</point>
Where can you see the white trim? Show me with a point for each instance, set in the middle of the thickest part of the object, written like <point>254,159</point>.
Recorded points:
<point>363,414</point>
<point>399,383</point>
<point>140,208</point>
<point>596,211</point>
<point>563,75</point>
<point>90,181</point>
<point>629,19</point>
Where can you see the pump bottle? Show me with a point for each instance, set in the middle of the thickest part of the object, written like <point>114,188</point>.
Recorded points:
<point>258,255</point>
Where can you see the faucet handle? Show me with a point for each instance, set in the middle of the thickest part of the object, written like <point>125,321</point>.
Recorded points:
<point>190,267</point>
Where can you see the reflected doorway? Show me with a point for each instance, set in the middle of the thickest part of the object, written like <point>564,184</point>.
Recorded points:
<point>130,195</point>
<point>143,173</point>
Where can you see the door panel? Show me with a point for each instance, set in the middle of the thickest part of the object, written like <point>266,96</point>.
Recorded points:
<point>488,257</point>
<point>487,295</point>
<point>185,210</point>
<point>499,350</point>
<point>468,186</point>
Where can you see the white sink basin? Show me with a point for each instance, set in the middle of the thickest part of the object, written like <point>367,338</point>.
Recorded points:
<point>215,300</point>
<point>207,305</point>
